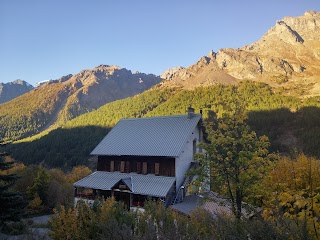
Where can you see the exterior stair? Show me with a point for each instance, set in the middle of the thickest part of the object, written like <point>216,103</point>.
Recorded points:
<point>183,188</point>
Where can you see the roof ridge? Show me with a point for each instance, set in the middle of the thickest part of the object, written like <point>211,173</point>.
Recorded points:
<point>169,116</point>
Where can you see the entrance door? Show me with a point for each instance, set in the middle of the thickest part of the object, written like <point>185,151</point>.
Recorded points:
<point>122,197</point>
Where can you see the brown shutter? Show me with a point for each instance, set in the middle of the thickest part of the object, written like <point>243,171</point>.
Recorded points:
<point>122,166</point>
<point>138,167</point>
<point>127,167</point>
<point>111,166</point>
<point>145,168</point>
<point>156,168</point>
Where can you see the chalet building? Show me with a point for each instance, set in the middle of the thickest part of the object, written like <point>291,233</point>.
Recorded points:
<point>144,158</point>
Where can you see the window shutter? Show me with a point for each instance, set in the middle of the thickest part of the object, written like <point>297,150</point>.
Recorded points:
<point>127,170</point>
<point>122,166</point>
<point>138,167</point>
<point>112,166</point>
<point>145,168</point>
<point>156,168</point>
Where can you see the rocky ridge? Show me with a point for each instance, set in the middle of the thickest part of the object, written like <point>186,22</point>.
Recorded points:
<point>93,88</point>
<point>60,100</point>
<point>287,56</point>
<point>13,89</point>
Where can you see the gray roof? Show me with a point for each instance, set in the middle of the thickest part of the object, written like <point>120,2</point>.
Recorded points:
<point>154,136</point>
<point>151,185</point>
<point>128,182</point>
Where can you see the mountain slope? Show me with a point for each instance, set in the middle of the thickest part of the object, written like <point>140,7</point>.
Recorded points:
<point>289,122</point>
<point>60,100</point>
<point>13,89</point>
<point>287,56</point>
<point>94,88</point>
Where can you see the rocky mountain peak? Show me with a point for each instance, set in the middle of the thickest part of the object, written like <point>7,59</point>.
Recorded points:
<point>13,89</point>
<point>286,33</point>
<point>308,25</point>
<point>103,67</point>
<point>287,55</point>
<point>212,55</point>
<point>20,82</point>
<point>171,72</point>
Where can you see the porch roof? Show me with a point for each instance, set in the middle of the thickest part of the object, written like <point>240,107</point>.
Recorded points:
<point>150,185</point>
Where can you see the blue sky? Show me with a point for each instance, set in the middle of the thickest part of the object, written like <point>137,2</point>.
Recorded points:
<point>47,39</point>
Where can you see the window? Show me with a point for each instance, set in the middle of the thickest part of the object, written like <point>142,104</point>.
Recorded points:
<point>194,146</point>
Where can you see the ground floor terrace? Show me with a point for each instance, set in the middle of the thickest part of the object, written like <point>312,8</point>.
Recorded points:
<point>130,200</point>
<point>130,188</point>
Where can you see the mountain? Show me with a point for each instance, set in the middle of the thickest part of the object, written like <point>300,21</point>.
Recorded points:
<point>287,56</point>
<point>60,100</point>
<point>13,89</point>
<point>282,72</point>
<point>62,79</point>
<point>292,124</point>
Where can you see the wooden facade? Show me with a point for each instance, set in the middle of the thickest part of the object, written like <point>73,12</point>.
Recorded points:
<point>162,166</point>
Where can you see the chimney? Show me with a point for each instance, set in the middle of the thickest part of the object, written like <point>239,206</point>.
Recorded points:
<point>190,112</point>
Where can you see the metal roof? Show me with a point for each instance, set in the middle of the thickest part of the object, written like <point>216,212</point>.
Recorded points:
<point>154,136</point>
<point>151,185</point>
<point>128,182</point>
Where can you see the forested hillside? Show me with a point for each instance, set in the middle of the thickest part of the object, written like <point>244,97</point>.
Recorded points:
<point>30,113</point>
<point>291,124</point>
<point>58,101</point>
<point>71,144</point>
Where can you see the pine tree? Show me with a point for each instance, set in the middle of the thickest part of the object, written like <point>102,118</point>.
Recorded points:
<point>11,203</point>
<point>40,185</point>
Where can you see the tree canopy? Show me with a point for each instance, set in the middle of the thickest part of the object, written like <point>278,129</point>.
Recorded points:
<point>235,159</point>
<point>11,202</point>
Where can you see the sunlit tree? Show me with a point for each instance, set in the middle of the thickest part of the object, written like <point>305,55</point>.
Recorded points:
<point>235,159</point>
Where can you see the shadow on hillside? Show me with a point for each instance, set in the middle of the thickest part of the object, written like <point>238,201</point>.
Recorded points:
<point>63,148</point>
<point>289,131</point>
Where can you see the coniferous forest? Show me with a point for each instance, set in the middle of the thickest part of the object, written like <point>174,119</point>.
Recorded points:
<point>287,188</point>
<point>290,123</point>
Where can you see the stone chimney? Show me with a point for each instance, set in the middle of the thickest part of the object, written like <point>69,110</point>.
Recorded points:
<point>190,112</point>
